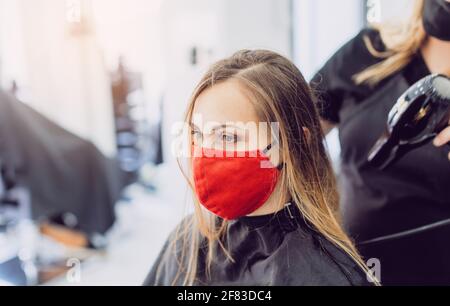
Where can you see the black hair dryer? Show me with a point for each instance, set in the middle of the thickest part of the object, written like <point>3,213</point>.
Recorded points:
<point>419,115</point>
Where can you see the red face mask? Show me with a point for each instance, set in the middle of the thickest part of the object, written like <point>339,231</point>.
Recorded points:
<point>230,185</point>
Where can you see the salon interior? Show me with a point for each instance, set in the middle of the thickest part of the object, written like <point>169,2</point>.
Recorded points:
<point>90,92</point>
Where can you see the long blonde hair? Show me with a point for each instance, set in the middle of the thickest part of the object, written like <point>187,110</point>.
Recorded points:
<point>280,95</point>
<point>402,41</point>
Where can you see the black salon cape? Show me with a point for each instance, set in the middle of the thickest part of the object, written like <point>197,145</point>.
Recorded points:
<point>63,172</point>
<point>414,192</point>
<point>272,250</point>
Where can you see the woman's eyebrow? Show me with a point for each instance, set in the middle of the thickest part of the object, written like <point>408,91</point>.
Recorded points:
<point>225,126</point>
<point>194,127</point>
<point>217,127</point>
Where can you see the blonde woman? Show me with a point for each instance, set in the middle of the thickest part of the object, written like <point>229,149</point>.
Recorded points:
<point>400,215</point>
<point>266,202</point>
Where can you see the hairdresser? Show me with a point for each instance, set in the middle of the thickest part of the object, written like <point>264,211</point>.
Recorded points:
<point>399,215</point>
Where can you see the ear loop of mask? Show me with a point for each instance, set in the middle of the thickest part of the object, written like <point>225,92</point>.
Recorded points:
<point>269,148</point>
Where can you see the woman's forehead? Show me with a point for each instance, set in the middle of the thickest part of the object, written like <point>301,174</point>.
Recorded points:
<point>224,103</point>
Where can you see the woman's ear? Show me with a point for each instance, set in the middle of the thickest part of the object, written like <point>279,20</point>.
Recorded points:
<point>307,133</point>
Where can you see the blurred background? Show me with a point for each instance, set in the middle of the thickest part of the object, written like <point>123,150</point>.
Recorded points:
<point>90,90</point>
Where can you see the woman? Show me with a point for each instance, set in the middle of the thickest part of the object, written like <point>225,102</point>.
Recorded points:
<point>399,215</point>
<point>266,207</point>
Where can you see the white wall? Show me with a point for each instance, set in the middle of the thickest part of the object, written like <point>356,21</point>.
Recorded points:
<point>395,10</point>
<point>255,24</point>
<point>12,64</point>
<point>321,27</point>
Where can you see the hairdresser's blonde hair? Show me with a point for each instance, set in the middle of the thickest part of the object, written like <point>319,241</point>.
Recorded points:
<point>280,94</point>
<point>402,41</point>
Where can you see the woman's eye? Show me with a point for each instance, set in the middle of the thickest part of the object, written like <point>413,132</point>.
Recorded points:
<point>229,138</point>
<point>196,135</point>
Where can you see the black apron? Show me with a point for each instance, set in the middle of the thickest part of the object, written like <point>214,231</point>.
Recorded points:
<point>272,250</point>
<point>410,194</point>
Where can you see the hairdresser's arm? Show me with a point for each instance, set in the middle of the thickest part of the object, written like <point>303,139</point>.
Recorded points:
<point>443,138</point>
<point>335,79</point>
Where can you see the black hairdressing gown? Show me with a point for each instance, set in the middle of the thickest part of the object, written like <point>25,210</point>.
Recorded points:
<point>413,192</point>
<point>64,173</point>
<point>278,249</point>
